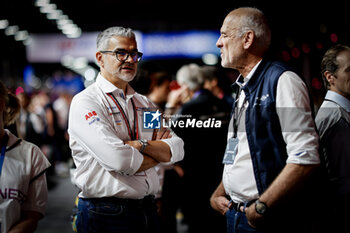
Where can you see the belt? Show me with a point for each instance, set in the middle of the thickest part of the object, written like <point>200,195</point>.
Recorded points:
<point>147,200</point>
<point>237,206</point>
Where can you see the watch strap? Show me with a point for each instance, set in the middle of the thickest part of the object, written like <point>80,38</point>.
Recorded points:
<point>143,144</point>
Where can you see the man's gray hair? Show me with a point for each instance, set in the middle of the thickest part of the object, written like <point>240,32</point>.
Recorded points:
<point>255,20</point>
<point>190,75</point>
<point>103,37</point>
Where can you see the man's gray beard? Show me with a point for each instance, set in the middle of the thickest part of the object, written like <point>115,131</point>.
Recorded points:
<point>127,78</point>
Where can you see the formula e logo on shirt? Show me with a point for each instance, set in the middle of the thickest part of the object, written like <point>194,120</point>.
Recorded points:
<point>151,120</point>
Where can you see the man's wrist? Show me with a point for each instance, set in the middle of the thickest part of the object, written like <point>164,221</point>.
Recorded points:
<point>261,207</point>
<point>143,143</point>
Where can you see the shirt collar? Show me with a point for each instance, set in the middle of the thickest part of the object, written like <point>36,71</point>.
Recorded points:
<point>241,81</point>
<point>339,99</point>
<point>108,87</point>
<point>12,138</point>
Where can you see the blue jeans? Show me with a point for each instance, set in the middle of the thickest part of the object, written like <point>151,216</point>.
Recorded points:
<point>109,215</point>
<point>237,222</point>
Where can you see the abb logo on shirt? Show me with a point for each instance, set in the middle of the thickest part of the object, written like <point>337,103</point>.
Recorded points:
<point>90,114</point>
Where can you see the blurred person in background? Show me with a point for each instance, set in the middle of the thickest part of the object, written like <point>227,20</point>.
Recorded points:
<point>168,199</point>
<point>204,148</point>
<point>114,155</point>
<point>272,144</point>
<point>53,135</point>
<point>60,106</point>
<point>177,97</point>
<point>216,82</point>
<point>333,124</point>
<point>30,124</point>
<point>158,93</point>
<point>159,88</point>
<point>23,188</point>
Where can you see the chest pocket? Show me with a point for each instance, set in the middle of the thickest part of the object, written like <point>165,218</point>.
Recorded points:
<point>266,106</point>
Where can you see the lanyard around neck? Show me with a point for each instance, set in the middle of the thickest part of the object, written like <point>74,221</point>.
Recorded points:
<point>3,151</point>
<point>132,133</point>
<point>238,112</point>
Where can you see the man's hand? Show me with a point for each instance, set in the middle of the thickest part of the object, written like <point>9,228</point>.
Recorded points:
<point>254,219</point>
<point>289,181</point>
<point>177,97</point>
<point>218,200</point>
<point>162,133</point>
<point>136,144</point>
<point>220,204</point>
<point>156,149</point>
<point>158,134</point>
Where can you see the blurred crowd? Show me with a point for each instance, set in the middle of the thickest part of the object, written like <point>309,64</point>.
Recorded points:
<point>43,121</point>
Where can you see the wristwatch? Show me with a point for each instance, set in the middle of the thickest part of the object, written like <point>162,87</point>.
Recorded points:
<point>260,207</point>
<point>143,143</point>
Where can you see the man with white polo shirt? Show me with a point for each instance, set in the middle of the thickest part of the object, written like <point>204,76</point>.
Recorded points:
<point>114,155</point>
<point>272,144</point>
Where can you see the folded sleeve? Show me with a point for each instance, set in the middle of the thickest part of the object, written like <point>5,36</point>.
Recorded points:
<point>295,115</point>
<point>176,145</point>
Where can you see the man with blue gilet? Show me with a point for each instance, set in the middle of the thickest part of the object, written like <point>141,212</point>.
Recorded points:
<point>272,144</point>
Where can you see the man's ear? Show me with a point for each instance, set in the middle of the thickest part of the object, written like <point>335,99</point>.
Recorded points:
<point>99,58</point>
<point>330,77</point>
<point>248,37</point>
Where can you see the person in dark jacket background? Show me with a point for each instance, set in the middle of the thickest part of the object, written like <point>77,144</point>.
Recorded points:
<point>202,123</point>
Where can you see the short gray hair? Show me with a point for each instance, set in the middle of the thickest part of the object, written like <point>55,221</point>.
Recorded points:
<point>255,20</point>
<point>190,75</point>
<point>104,37</point>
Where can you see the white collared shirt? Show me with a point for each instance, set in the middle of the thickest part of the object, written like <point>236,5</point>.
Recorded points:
<point>301,145</point>
<point>97,129</point>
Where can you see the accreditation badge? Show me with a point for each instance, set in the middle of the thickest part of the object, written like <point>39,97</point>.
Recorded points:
<point>231,151</point>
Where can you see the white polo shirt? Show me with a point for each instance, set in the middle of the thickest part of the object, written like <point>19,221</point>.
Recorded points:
<point>294,112</point>
<point>22,182</point>
<point>105,165</point>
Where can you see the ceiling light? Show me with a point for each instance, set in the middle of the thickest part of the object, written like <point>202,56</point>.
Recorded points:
<point>50,8</point>
<point>63,22</point>
<point>4,23</point>
<point>54,15</point>
<point>11,30</point>
<point>40,3</point>
<point>21,35</point>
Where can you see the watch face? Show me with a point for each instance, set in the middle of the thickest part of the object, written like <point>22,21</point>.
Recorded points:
<point>260,207</point>
<point>144,141</point>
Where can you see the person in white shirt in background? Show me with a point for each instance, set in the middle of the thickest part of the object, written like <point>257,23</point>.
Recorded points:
<point>113,153</point>
<point>23,188</point>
